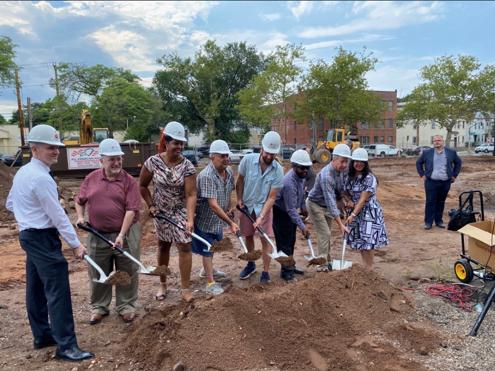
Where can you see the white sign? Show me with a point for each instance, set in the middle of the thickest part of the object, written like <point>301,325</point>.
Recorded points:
<point>83,158</point>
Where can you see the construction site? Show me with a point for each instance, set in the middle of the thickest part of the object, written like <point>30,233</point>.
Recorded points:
<point>393,318</point>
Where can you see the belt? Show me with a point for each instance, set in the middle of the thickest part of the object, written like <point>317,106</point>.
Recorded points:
<point>51,230</point>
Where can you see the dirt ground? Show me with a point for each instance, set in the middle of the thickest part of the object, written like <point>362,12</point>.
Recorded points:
<point>347,320</point>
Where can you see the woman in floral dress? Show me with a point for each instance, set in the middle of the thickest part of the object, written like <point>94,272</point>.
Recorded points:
<point>366,222</point>
<point>174,195</point>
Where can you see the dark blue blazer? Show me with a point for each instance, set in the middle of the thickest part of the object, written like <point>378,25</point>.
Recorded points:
<point>424,164</point>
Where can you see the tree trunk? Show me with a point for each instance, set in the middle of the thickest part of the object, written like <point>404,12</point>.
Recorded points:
<point>448,137</point>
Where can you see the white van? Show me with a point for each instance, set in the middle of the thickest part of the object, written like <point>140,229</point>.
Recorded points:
<point>381,150</point>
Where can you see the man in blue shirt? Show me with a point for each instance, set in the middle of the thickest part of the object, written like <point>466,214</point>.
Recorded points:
<point>286,218</point>
<point>438,167</point>
<point>260,179</point>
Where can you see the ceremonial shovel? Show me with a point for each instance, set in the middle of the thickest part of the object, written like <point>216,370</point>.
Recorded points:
<point>152,271</point>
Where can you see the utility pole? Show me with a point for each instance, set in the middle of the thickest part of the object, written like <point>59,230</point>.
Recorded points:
<point>29,113</point>
<point>57,88</point>
<point>19,106</point>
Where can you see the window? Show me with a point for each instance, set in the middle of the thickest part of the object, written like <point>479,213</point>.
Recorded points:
<point>380,124</point>
<point>463,128</point>
<point>431,140</point>
<point>382,139</point>
<point>414,141</point>
<point>365,125</point>
<point>365,140</point>
<point>390,139</point>
<point>390,106</point>
<point>407,139</point>
<point>433,125</point>
<point>390,123</point>
<point>375,139</point>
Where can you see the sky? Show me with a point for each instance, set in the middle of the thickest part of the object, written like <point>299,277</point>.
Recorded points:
<point>403,36</point>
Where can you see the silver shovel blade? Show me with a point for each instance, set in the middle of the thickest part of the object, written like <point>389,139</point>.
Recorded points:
<point>338,265</point>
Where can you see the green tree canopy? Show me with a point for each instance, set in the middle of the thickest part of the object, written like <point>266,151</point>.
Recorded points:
<point>266,95</point>
<point>2,120</point>
<point>453,89</point>
<point>126,105</point>
<point>202,91</point>
<point>7,64</point>
<point>339,91</point>
<point>75,79</point>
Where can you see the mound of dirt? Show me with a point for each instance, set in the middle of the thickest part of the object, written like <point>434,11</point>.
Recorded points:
<point>348,320</point>
<point>6,177</point>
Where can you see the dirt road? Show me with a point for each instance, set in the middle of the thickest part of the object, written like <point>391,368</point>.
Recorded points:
<point>341,320</point>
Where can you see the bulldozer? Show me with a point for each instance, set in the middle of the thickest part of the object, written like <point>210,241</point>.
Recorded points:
<point>321,151</point>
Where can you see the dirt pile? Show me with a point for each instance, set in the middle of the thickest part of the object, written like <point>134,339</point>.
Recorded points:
<point>6,176</point>
<point>352,320</point>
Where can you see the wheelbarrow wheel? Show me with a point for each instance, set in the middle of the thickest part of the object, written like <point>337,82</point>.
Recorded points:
<point>463,271</point>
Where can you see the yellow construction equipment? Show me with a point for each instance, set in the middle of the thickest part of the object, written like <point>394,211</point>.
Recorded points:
<point>322,151</point>
<point>87,134</point>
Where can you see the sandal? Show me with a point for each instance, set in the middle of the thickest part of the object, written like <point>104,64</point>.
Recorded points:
<point>160,297</point>
<point>187,295</point>
<point>128,317</point>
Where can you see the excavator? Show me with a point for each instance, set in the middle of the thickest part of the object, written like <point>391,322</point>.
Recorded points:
<point>321,151</point>
<point>87,134</point>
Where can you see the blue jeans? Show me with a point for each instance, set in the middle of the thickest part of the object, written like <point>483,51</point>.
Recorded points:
<point>199,247</point>
<point>436,194</point>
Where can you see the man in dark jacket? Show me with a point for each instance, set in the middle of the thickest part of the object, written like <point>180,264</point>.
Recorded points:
<point>439,168</point>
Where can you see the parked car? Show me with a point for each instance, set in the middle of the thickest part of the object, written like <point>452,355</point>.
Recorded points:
<point>191,155</point>
<point>287,152</point>
<point>203,151</point>
<point>246,151</point>
<point>9,159</point>
<point>381,150</point>
<point>485,148</point>
<point>235,156</point>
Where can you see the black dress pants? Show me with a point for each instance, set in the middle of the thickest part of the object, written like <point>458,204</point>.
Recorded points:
<point>284,230</point>
<point>48,298</point>
<point>436,194</point>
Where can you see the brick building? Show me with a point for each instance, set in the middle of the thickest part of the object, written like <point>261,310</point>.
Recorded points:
<point>300,132</point>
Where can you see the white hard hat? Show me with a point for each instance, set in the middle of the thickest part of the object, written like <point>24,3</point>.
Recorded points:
<point>342,150</point>
<point>301,157</point>
<point>219,146</point>
<point>45,134</point>
<point>271,142</point>
<point>360,154</point>
<point>176,131</point>
<point>110,147</point>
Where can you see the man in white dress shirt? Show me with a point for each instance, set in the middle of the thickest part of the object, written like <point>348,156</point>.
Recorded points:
<point>34,201</point>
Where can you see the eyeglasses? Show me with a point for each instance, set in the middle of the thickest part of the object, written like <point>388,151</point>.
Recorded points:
<point>303,167</point>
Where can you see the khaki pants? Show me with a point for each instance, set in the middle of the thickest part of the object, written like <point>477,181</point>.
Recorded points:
<point>108,258</point>
<point>321,223</point>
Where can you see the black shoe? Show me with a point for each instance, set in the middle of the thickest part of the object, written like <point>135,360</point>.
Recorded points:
<point>441,225</point>
<point>287,275</point>
<point>44,342</point>
<point>298,271</point>
<point>427,227</point>
<point>73,354</point>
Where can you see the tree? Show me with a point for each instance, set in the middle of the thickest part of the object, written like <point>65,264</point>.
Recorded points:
<point>75,79</point>
<point>125,105</point>
<point>266,96</point>
<point>2,120</point>
<point>339,91</point>
<point>413,111</point>
<point>202,91</point>
<point>7,64</point>
<point>454,89</point>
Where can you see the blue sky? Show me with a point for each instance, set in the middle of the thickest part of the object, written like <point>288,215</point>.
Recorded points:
<point>404,36</point>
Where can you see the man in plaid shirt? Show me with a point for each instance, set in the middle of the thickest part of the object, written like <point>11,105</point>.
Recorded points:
<point>215,184</point>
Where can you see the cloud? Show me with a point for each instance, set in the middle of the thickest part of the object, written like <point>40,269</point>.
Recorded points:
<point>300,8</point>
<point>129,49</point>
<point>15,15</point>
<point>390,77</point>
<point>7,107</point>
<point>334,43</point>
<point>380,15</point>
<point>270,17</point>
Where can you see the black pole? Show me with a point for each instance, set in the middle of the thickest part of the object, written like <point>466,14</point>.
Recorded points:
<point>481,317</point>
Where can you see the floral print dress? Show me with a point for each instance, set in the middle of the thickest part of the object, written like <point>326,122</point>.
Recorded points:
<point>169,196</point>
<point>367,230</point>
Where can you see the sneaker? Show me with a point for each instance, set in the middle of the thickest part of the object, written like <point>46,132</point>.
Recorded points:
<point>323,268</point>
<point>265,277</point>
<point>427,227</point>
<point>298,271</point>
<point>287,275</point>
<point>217,274</point>
<point>213,289</point>
<point>248,271</point>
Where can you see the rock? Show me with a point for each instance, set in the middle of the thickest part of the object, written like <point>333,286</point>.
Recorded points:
<point>317,360</point>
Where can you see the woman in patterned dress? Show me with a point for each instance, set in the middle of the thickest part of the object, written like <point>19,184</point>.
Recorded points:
<point>366,223</point>
<point>174,195</point>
